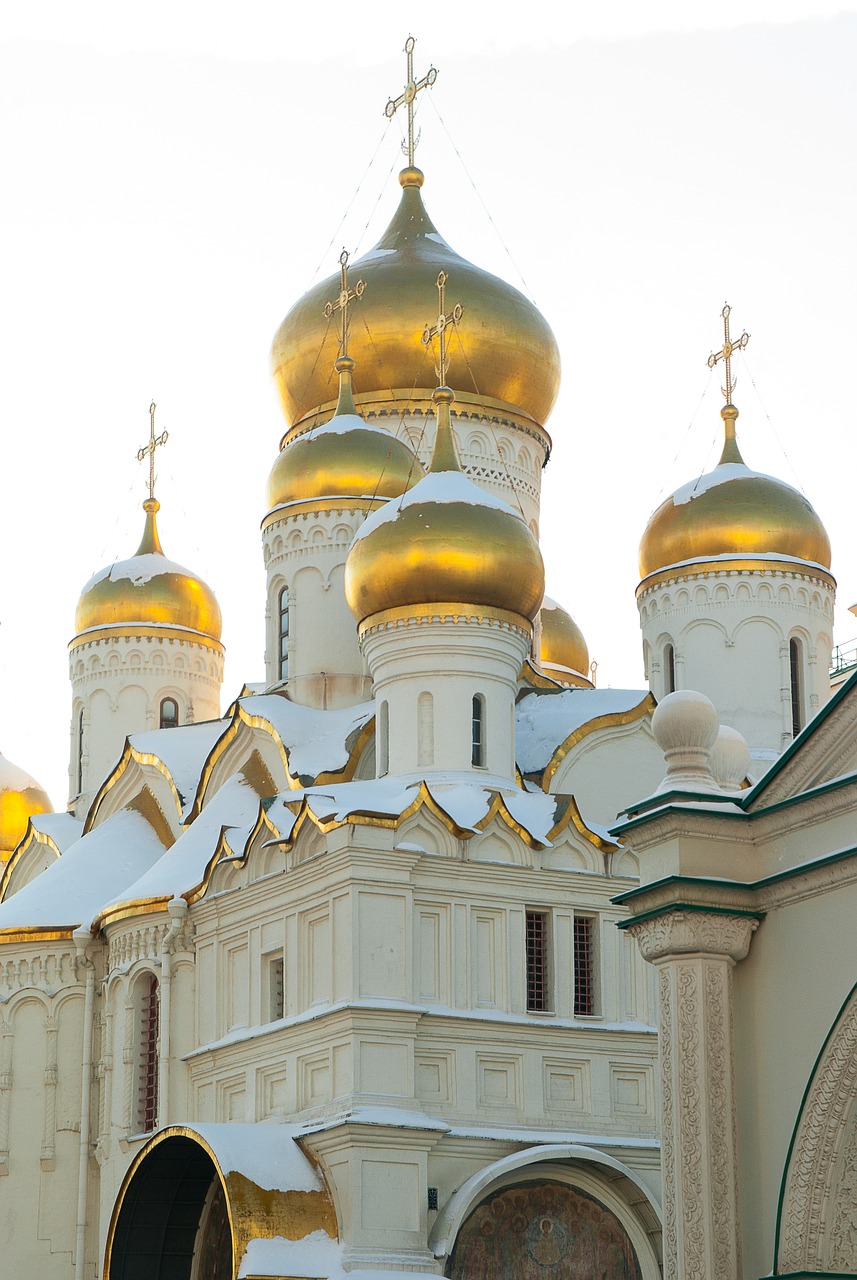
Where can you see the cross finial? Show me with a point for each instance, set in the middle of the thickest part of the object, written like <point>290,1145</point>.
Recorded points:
<point>440,326</point>
<point>406,98</point>
<point>150,448</point>
<point>341,304</point>
<point>725,353</point>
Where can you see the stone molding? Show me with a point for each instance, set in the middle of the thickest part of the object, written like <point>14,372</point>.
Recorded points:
<point>680,932</point>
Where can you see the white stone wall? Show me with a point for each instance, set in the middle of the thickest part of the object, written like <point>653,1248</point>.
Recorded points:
<point>119,682</point>
<point>730,631</point>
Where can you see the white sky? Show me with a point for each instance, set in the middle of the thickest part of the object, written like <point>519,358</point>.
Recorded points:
<point>175,175</point>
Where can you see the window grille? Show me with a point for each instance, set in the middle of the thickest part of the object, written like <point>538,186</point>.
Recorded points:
<point>276,974</point>
<point>538,993</point>
<point>283,614</point>
<point>584,966</point>
<point>169,713</point>
<point>477,733</point>
<point>796,683</point>
<point>149,1055</point>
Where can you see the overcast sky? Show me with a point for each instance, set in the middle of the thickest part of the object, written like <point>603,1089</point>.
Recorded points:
<point>176,175</point>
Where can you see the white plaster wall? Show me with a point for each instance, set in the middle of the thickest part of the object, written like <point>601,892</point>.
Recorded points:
<point>731,632</point>
<point>448,661</point>
<point>119,683</point>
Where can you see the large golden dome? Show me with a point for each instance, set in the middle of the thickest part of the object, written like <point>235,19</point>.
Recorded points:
<point>563,653</point>
<point>148,590</point>
<point>733,511</point>
<point>21,798</point>
<point>445,541</point>
<point>345,458</point>
<point>511,354</point>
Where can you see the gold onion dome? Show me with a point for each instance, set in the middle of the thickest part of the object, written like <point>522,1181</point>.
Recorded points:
<point>21,798</point>
<point>148,590</point>
<point>445,541</point>
<point>733,512</point>
<point>344,458</point>
<point>512,355</point>
<point>563,652</point>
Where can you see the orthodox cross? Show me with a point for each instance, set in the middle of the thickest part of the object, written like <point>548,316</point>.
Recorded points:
<point>725,353</point>
<point>440,326</point>
<point>150,448</point>
<point>410,91</point>
<point>341,304</point>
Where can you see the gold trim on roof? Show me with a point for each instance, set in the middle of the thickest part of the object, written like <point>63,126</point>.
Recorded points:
<point>698,568</point>
<point>129,630</point>
<point>445,611</point>
<point>645,707</point>
<point>571,815</point>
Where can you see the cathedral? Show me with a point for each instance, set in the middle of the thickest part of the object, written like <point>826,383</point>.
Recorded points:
<point>425,955</point>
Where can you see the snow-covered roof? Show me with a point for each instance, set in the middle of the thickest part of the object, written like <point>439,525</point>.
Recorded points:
<point>317,742</point>
<point>723,474</point>
<point>545,719</point>
<point>138,569</point>
<point>183,751</point>
<point>436,487</point>
<point>61,829</point>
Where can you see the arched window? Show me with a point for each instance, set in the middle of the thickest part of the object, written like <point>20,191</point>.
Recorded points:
<point>796,684</point>
<point>477,732</point>
<point>169,713</point>
<point>283,632</point>
<point>80,751</point>
<point>383,739</point>
<point>147,1094</point>
<point>669,669</point>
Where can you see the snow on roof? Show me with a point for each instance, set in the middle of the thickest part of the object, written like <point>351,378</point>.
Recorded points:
<point>775,557</point>
<point>341,424</point>
<point>316,741</point>
<point>722,474</point>
<point>71,890</point>
<point>138,569</point>
<point>233,810</point>
<point>267,1154</point>
<point>315,1256</point>
<point>436,487</point>
<point>183,751</point>
<point>61,828</point>
<point>14,778</point>
<point>543,720</point>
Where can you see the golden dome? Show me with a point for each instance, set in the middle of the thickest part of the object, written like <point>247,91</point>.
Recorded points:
<point>733,511</point>
<point>563,653</point>
<point>148,590</point>
<point>21,798</point>
<point>512,356</point>
<point>445,541</point>
<point>346,458</point>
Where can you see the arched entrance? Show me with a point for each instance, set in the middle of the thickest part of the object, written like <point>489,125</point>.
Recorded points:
<point>173,1221</point>
<point>543,1230</point>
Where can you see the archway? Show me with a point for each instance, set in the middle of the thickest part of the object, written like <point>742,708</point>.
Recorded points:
<point>543,1230</point>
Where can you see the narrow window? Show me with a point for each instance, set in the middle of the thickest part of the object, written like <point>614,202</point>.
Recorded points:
<point>148,1096</point>
<point>80,752</point>
<point>584,966</point>
<point>796,685</point>
<point>538,993</point>
<point>669,669</point>
<point>276,989</point>
<point>283,630</point>
<point>383,739</point>
<point>425,729</point>
<point>169,713</point>
<point>477,732</point>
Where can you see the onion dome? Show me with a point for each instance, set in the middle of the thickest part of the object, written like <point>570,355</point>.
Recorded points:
<point>445,541</point>
<point>563,653</point>
<point>345,458</point>
<point>148,590</point>
<point>21,798</point>
<point>512,356</point>
<point>733,512</point>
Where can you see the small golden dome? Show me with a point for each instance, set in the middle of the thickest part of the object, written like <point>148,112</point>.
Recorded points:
<point>563,653</point>
<point>733,511</point>
<point>512,356</point>
<point>446,540</point>
<point>148,590</point>
<point>346,458</point>
<point>21,798</point>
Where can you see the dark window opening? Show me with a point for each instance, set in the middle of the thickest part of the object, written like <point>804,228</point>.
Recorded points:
<point>169,713</point>
<point>796,685</point>
<point>538,994</point>
<point>477,732</point>
<point>584,966</point>
<point>276,988</point>
<point>149,1017</point>
<point>669,669</point>
<point>80,753</point>
<point>283,631</point>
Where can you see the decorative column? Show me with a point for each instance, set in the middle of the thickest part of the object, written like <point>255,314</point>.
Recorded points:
<point>694,951</point>
<point>51,1076</point>
<point>5,1092</point>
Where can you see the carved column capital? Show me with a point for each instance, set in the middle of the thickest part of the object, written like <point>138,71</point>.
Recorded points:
<point>681,931</point>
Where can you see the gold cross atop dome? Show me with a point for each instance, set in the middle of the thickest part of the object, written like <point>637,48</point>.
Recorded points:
<point>406,98</point>
<point>726,351</point>
<point>341,304</point>
<point>154,443</point>
<point>444,321</point>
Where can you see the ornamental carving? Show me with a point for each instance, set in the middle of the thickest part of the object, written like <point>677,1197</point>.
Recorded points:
<point>681,932</point>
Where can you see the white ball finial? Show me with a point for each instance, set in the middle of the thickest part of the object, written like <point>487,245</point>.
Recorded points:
<point>730,758</point>
<point>685,725</point>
